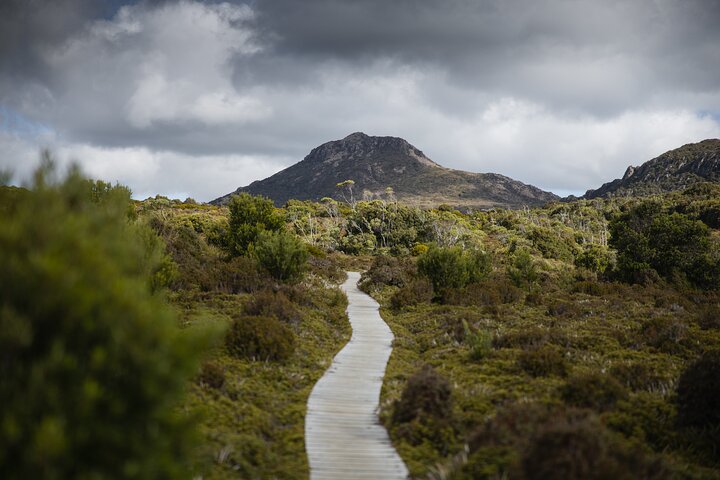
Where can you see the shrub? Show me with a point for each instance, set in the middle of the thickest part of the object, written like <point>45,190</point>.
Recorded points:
<point>543,361</point>
<point>530,338</point>
<point>92,364</point>
<point>577,445</point>
<point>272,304</point>
<point>664,333</point>
<point>426,394</point>
<point>639,376</point>
<point>260,338</point>
<point>593,257</point>
<point>698,392</point>
<point>553,243</point>
<point>480,343</point>
<point>239,274</point>
<point>709,317</point>
<point>522,270</point>
<point>417,291</point>
<point>281,254</point>
<point>387,271</point>
<point>453,268</point>
<point>648,238</point>
<point>249,217</point>
<point>212,375</point>
<point>592,390</point>
<point>590,287</point>
<point>562,309</point>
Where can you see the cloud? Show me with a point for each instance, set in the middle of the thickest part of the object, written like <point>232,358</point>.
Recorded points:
<point>198,98</point>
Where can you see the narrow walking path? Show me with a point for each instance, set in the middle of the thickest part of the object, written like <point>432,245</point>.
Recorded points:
<point>343,437</point>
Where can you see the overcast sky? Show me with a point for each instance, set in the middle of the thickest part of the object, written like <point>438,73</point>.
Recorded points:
<point>192,98</point>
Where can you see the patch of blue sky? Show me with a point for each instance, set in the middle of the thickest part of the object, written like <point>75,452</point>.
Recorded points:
<point>13,122</point>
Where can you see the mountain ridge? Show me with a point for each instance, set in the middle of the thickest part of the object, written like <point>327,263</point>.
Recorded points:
<point>375,163</point>
<point>673,170</point>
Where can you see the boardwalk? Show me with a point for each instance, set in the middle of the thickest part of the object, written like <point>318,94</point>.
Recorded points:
<point>342,435</point>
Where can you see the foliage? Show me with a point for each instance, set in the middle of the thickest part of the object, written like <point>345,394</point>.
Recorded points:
<point>249,217</point>
<point>91,363</point>
<point>212,375</point>
<point>281,254</point>
<point>427,394</point>
<point>648,238</point>
<point>267,303</point>
<point>592,390</point>
<point>698,392</point>
<point>417,291</point>
<point>453,267</point>
<point>595,258</point>
<point>522,270</point>
<point>543,361</point>
<point>260,338</point>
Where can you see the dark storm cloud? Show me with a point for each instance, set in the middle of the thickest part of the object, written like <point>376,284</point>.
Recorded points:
<point>562,94</point>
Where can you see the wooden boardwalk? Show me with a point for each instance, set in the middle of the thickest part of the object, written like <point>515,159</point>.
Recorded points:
<point>343,437</point>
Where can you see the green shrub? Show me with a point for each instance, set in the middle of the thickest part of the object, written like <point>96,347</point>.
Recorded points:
<point>698,392</point>
<point>417,291</point>
<point>639,376</point>
<point>387,271</point>
<point>562,309</point>
<point>272,304</point>
<point>649,238</point>
<point>480,343</point>
<point>92,364</point>
<point>530,338</point>
<point>595,258</point>
<point>592,390</point>
<point>522,269</point>
<point>212,375</point>
<point>553,243</point>
<point>543,361</point>
<point>281,254</point>
<point>237,275</point>
<point>249,217</point>
<point>260,338</point>
<point>453,268</point>
<point>426,394</point>
<point>590,287</point>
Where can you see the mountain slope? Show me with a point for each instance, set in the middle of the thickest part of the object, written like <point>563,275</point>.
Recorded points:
<point>673,170</point>
<point>375,163</point>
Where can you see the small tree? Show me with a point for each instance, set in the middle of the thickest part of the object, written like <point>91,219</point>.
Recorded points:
<point>282,254</point>
<point>250,216</point>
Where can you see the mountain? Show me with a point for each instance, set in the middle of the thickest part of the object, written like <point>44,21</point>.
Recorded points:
<point>376,163</point>
<point>673,170</point>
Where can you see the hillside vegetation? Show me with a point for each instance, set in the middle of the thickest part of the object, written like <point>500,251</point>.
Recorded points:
<point>577,340</point>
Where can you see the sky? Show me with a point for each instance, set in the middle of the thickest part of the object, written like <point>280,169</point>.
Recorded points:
<point>189,98</point>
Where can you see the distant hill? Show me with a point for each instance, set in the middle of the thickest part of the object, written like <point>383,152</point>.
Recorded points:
<point>673,170</point>
<point>376,163</point>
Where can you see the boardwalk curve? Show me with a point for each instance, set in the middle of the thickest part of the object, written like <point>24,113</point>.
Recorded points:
<point>343,437</point>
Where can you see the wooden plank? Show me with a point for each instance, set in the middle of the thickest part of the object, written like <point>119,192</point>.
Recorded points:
<point>343,437</point>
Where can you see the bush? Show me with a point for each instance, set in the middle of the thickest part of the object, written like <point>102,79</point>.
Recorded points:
<point>639,376</point>
<point>530,338</point>
<point>453,268</point>
<point>664,333</point>
<point>260,338</point>
<point>416,292</point>
<point>578,446</point>
<point>212,375</point>
<point>92,364</point>
<point>480,343</point>
<point>522,270</point>
<point>698,392</point>
<point>427,394</point>
<point>281,254</point>
<point>239,274</point>
<point>272,304</point>
<point>709,317</point>
<point>543,361</point>
<point>387,271</point>
<point>592,390</point>
<point>594,257</point>
<point>562,309</point>
<point>249,217</point>
<point>671,244</point>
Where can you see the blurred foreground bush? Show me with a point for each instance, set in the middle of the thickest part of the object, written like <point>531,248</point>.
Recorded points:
<point>91,361</point>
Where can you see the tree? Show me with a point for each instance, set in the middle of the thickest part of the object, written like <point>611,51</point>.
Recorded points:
<point>250,216</point>
<point>282,254</point>
<point>91,361</point>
